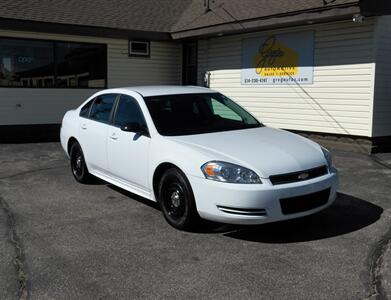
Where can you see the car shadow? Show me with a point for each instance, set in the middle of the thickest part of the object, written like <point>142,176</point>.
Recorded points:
<point>134,196</point>
<point>95,181</point>
<point>346,215</point>
<point>203,227</point>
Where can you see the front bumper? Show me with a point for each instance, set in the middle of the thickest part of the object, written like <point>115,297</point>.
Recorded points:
<point>212,196</point>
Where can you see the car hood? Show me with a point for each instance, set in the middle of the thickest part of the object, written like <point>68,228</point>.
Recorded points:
<point>265,150</point>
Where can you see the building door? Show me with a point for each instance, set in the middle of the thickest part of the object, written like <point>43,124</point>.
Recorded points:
<point>190,63</point>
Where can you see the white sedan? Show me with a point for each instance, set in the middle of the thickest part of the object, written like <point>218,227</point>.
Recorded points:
<point>198,154</point>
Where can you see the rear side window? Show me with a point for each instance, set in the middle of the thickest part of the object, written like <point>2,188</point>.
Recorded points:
<point>86,109</point>
<point>128,111</point>
<point>102,107</point>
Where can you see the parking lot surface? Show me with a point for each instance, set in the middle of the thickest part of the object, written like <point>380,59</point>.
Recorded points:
<point>99,242</point>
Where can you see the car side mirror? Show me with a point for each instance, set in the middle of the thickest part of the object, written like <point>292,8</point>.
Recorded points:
<point>134,127</point>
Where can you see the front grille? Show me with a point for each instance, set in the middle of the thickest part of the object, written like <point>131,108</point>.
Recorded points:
<point>303,203</point>
<point>298,176</point>
<point>243,211</point>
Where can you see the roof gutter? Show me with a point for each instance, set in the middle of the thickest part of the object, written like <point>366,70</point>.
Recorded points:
<point>272,22</point>
<point>35,26</point>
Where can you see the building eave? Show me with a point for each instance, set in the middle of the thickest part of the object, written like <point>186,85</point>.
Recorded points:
<point>273,22</point>
<point>81,30</point>
<point>294,18</point>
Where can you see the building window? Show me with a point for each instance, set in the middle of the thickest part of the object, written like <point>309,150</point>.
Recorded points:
<point>26,63</point>
<point>51,64</point>
<point>139,48</point>
<point>80,65</point>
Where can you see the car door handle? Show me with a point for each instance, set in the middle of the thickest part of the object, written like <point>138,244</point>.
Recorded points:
<point>114,137</point>
<point>84,126</point>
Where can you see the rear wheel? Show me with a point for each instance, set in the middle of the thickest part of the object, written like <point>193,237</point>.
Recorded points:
<point>78,165</point>
<point>177,200</point>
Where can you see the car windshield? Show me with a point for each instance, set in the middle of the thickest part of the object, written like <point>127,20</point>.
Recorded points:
<point>186,114</point>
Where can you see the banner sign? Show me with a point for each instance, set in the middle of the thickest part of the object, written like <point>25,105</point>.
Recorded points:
<point>278,59</point>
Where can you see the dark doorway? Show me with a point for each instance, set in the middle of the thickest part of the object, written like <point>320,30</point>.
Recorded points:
<point>190,58</point>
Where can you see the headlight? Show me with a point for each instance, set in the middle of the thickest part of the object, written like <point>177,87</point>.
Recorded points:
<point>328,157</point>
<point>227,172</point>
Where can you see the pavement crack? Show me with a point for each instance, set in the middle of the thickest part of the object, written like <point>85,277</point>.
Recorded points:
<point>19,258</point>
<point>376,258</point>
<point>376,264</point>
<point>13,238</point>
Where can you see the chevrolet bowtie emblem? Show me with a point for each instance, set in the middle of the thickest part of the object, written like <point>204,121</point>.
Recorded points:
<point>303,176</point>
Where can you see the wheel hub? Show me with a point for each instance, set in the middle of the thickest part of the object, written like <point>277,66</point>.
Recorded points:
<point>78,162</point>
<point>175,199</point>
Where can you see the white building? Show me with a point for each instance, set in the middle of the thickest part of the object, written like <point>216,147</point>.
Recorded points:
<point>317,67</point>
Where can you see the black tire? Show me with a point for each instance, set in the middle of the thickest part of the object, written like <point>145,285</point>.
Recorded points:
<point>176,200</point>
<point>78,165</point>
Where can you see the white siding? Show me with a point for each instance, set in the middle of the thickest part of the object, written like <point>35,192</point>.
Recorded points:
<point>382,103</point>
<point>46,106</point>
<point>340,99</point>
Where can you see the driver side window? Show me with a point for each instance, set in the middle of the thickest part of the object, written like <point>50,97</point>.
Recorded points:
<point>128,111</point>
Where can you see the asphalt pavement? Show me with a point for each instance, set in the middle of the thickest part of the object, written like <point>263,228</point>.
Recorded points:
<point>72,241</point>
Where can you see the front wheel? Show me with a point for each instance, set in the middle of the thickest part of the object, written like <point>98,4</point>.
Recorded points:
<point>78,165</point>
<point>177,200</point>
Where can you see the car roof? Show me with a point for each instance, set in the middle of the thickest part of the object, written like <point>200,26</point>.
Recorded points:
<point>160,90</point>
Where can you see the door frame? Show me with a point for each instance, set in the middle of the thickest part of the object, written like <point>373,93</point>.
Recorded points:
<point>185,66</point>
